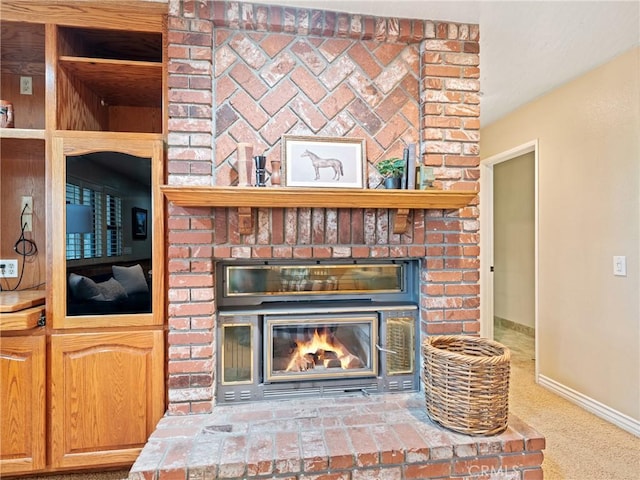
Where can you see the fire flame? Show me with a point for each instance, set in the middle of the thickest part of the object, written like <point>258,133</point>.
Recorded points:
<point>323,348</point>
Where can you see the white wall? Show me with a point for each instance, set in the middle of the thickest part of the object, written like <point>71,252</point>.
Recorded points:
<point>514,240</point>
<point>589,211</point>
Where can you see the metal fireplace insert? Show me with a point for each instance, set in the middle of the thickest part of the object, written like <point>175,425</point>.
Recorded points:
<point>316,328</point>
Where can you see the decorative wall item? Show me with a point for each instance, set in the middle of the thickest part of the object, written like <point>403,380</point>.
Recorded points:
<point>427,177</point>
<point>6,114</point>
<point>243,164</point>
<point>261,170</point>
<point>276,176</point>
<point>138,223</point>
<point>323,162</point>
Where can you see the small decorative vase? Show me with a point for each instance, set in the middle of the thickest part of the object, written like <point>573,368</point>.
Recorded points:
<point>276,176</point>
<point>244,164</point>
<point>261,171</point>
<point>392,182</point>
<point>6,114</point>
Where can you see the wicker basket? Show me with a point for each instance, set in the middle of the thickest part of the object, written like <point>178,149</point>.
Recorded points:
<point>467,383</point>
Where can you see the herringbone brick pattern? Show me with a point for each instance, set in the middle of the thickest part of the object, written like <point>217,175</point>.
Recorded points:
<point>269,85</point>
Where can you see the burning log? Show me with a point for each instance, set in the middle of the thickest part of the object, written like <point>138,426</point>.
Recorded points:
<point>301,363</point>
<point>323,349</point>
<point>350,361</point>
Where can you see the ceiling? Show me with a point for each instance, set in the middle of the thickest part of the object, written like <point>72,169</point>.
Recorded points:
<point>527,48</point>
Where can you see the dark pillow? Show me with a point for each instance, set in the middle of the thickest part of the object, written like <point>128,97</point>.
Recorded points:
<point>83,288</point>
<point>110,291</point>
<point>131,278</point>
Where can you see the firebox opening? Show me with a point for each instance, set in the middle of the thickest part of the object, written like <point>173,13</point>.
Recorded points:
<point>320,347</point>
<point>290,329</point>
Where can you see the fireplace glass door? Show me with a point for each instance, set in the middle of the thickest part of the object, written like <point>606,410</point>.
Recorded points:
<point>320,347</point>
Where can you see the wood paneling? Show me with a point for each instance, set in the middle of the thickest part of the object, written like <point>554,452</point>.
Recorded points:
<point>15,57</point>
<point>119,15</point>
<point>118,82</point>
<point>22,54</point>
<point>135,119</point>
<point>79,108</point>
<point>28,110</point>
<point>22,172</point>
<point>106,396</point>
<point>22,396</point>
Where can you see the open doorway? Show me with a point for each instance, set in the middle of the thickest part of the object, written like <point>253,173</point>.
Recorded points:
<point>509,246</point>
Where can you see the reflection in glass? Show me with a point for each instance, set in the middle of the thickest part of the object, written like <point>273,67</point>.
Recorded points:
<point>237,354</point>
<point>101,192</point>
<point>401,345</point>
<point>310,279</point>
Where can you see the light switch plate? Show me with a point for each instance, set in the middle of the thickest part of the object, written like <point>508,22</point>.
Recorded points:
<point>620,265</point>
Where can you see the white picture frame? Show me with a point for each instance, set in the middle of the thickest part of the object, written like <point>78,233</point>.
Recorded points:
<point>309,161</point>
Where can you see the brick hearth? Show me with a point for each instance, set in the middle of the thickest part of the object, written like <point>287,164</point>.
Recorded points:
<point>379,437</point>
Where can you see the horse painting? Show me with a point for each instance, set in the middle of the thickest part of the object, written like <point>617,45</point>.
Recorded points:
<point>319,162</point>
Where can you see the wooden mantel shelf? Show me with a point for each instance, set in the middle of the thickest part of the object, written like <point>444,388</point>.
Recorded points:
<point>245,198</point>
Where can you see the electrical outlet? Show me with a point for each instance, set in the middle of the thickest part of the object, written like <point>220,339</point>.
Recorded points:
<point>8,268</point>
<point>27,201</point>
<point>27,222</point>
<point>26,86</point>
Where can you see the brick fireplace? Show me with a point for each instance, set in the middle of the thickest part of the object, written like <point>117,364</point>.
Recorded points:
<point>241,72</point>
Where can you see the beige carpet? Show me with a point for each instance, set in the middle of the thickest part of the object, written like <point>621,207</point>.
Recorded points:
<point>580,446</point>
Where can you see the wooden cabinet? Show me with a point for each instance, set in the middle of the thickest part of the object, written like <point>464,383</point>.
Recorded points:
<point>82,392</point>
<point>104,396</point>
<point>22,397</point>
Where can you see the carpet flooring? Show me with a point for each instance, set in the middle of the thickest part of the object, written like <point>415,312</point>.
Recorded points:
<point>580,446</point>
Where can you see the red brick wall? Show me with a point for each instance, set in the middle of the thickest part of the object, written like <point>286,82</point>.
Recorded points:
<point>240,72</point>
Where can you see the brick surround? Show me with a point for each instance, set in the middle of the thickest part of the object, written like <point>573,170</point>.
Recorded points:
<point>241,72</point>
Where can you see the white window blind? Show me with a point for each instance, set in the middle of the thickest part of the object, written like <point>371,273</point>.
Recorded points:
<point>114,225</point>
<point>107,224</point>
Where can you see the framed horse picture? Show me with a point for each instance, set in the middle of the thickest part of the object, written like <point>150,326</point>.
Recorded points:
<point>323,162</point>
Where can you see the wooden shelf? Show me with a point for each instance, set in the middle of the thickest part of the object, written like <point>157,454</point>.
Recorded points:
<point>245,198</point>
<point>21,310</point>
<point>118,82</point>
<point>22,133</point>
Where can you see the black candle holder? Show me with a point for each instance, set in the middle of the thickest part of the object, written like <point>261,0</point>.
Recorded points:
<point>261,170</point>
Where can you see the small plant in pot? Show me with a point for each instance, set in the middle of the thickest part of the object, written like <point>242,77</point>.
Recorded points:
<point>391,170</point>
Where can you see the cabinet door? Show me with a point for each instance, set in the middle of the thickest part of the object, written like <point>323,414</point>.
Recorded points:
<point>22,397</point>
<point>107,394</point>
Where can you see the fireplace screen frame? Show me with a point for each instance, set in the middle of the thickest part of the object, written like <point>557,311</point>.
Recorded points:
<point>241,322</point>
<point>251,282</point>
<point>320,320</point>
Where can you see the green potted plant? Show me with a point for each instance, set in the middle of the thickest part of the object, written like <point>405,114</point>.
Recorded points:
<point>391,170</point>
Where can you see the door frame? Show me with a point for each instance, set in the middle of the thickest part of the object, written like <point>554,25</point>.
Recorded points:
<point>487,240</point>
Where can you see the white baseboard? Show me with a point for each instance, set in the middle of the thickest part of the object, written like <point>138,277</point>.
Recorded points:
<point>621,420</point>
